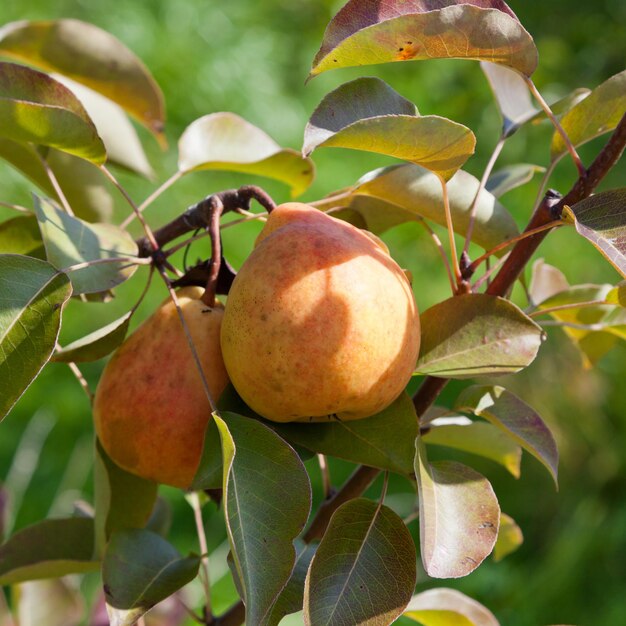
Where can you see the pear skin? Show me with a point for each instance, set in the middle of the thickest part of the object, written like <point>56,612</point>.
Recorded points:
<point>150,409</point>
<point>320,322</point>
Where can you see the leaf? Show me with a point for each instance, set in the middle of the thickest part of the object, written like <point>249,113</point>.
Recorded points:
<point>267,499</point>
<point>139,570</point>
<point>32,295</point>
<point>20,235</point>
<point>95,345</point>
<point>367,32</point>
<point>49,602</point>
<point>385,440</point>
<point>367,114</point>
<point>123,500</point>
<point>459,516</point>
<point>225,141</point>
<point>210,474</point>
<point>601,219</point>
<point>512,96</point>
<point>546,281</point>
<point>48,549</point>
<point>292,596</point>
<point>617,295</point>
<point>598,113</point>
<point>35,108</point>
<point>511,177</point>
<point>506,411</point>
<point>448,607</point>
<point>477,438</point>
<point>71,241</point>
<point>91,56</point>
<point>83,184</point>
<point>510,537</point>
<point>563,105</point>
<point>364,569</point>
<point>418,191</point>
<point>4,508</point>
<point>160,520</point>
<point>118,134</point>
<point>476,334</point>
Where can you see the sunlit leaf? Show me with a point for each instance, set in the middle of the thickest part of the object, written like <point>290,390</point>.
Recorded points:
<point>598,113</point>
<point>91,56</point>
<point>512,96</point>
<point>510,537</point>
<point>563,105</point>
<point>617,295</point>
<point>48,549</point>
<point>366,114</point>
<point>368,32</point>
<point>506,411</point>
<point>415,190</point>
<point>459,516</point>
<point>476,334</point>
<point>123,500</point>
<point>32,295</point>
<point>139,570</point>
<point>509,178</point>
<point>49,602</point>
<point>70,241</point>
<point>95,345</point>
<point>546,281</point>
<point>83,184</point>
<point>477,438</point>
<point>225,141</point>
<point>385,440</point>
<point>364,569</point>
<point>118,134</point>
<point>602,220</point>
<point>448,607</point>
<point>267,499</point>
<point>20,235</point>
<point>292,596</point>
<point>35,108</point>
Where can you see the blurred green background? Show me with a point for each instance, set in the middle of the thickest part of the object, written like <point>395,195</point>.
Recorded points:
<point>251,58</point>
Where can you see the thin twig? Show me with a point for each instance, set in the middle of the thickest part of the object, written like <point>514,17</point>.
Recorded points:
<point>383,491</point>
<point>55,183</point>
<point>204,563</point>
<point>332,199</point>
<point>210,291</point>
<point>566,307</point>
<point>483,181</point>
<point>16,207</point>
<point>129,260</point>
<point>489,272</point>
<point>325,470</point>
<point>411,517</point>
<point>450,225</point>
<point>78,375</point>
<point>570,146</point>
<point>543,184</point>
<point>591,327</point>
<point>442,253</point>
<point>183,244</point>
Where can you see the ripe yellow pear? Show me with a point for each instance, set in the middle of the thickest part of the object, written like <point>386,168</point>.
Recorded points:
<point>151,409</point>
<point>320,322</point>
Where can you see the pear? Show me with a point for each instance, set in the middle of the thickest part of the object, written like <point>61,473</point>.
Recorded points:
<point>151,410</point>
<point>320,323</point>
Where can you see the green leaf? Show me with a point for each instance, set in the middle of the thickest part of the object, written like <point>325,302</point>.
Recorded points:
<point>35,108</point>
<point>511,177</point>
<point>364,569</point>
<point>367,114</point>
<point>510,537</point>
<point>366,33</point>
<point>71,241</point>
<point>49,602</point>
<point>546,281</point>
<point>617,295</point>
<point>477,438</point>
<point>117,132</point>
<point>601,219</point>
<point>160,520</point>
<point>474,335</point>
<point>563,105</point>
<point>448,607</point>
<point>83,184</point>
<point>91,56</point>
<point>123,500</point>
<point>95,345</point>
<point>139,570</point>
<point>459,516</point>
<point>506,411</point>
<point>385,440</point>
<point>210,474</point>
<point>598,113</point>
<point>4,507</point>
<point>20,235</point>
<point>32,296</point>
<point>512,96</point>
<point>267,499</point>
<point>48,549</point>
<point>292,596</point>
<point>409,189</point>
<point>225,141</point>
